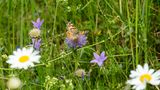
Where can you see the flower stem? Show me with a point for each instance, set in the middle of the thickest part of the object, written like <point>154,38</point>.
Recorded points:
<point>136,32</point>
<point>157,87</point>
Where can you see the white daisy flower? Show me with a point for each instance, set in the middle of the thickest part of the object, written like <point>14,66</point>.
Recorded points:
<point>143,75</point>
<point>23,58</point>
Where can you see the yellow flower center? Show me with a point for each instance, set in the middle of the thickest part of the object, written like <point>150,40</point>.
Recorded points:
<point>23,59</point>
<point>145,77</point>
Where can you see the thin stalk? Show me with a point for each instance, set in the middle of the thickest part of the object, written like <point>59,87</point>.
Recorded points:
<point>146,29</point>
<point>22,22</point>
<point>9,20</point>
<point>136,32</point>
<point>54,27</point>
<point>97,22</point>
<point>157,87</point>
<point>120,6</point>
<point>129,27</point>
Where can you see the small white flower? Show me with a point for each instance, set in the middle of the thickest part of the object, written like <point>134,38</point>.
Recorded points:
<point>14,83</point>
<point>23,58</point>
<point>143,75</point>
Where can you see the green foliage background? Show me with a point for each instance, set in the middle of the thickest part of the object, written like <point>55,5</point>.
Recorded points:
<point>127,30</point>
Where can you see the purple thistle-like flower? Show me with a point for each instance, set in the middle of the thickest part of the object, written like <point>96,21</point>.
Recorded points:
<point>99,59</point>
<point>38,23</point>
<point>81,40</point>
<point>36,43</point>
<point>71,43</point>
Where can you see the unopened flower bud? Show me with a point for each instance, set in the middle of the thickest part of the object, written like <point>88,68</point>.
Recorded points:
<point>14,83</point>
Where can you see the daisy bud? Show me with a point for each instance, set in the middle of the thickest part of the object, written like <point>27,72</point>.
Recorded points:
<point>14,83</point>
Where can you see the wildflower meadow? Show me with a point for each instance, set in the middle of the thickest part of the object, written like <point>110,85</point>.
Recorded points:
<point>79,45</point>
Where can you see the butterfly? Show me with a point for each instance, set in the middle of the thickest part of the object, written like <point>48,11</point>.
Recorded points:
<point>73,33</point>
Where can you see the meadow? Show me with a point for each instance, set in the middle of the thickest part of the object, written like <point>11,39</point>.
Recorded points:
<point>127,31</point>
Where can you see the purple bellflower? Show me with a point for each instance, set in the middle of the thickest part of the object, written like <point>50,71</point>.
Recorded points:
<point>79,42</point>
<point>99,59</point>
<point>36,43</point>
<point>38,23</point>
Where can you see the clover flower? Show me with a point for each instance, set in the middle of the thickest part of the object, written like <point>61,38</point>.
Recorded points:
<point>143,75</point>
<point>35,33</point>
<point>99,59</point>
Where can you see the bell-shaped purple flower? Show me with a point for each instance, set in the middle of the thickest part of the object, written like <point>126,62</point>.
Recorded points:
<point>38,23</point>
<point>80,41</point>
<point>36,43</point>
<point>99,59</point>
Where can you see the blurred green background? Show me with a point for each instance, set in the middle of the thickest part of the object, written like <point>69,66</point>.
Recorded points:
<point>127,30</point>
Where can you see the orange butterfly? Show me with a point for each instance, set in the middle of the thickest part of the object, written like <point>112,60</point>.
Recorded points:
<point>73,33</point>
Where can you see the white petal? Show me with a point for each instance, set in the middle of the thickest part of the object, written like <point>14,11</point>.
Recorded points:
<point>139,68</point>
<point>25,67</point>
<point>155,82</point>
<point>146,68</point>
<point>30,50</point>
<point>31,64</point>
<point>13,66</point>
<point>141,87</point>
<point>24,49</point>
<point>151,71</point>
<point>35,53</point>
<point>133,74</point>
<point>15,52</point>
<point>35,59</point>
<point>134,81</point>
<point>19,50</point>
<point>156,74</point>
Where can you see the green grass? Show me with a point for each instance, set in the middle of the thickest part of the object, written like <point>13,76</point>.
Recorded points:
<point>127,30</point>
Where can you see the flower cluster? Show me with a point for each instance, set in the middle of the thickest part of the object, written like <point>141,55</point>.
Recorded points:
<point>35,33</point>
<point>26,57</point>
